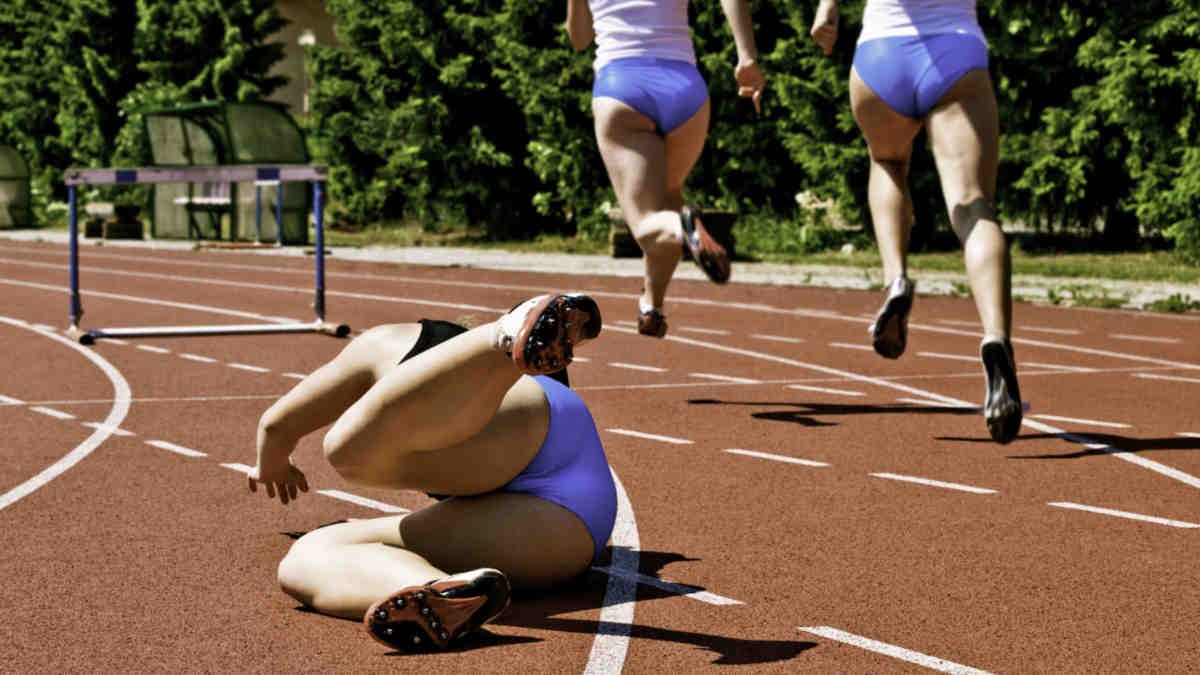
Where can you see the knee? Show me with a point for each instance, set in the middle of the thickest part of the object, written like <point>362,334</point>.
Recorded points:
<point>656,236</point>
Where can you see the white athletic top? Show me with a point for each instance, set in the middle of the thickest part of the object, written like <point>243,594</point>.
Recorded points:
<point>652,28</point>
<point>888,18</point>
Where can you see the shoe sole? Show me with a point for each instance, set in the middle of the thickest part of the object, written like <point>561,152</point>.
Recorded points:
<point>546,340</point>
<point>1002,407</point>
<point>420,619</point>
<point>891,339</point>
<point>708,254</point>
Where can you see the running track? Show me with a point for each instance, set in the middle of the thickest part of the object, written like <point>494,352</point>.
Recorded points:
<point>790,501</point>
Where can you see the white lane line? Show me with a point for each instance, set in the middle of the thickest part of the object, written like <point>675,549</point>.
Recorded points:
<point>1187,434</point>
<point>955,357</point>
<point>847,345</point>
<point>44,327</point>
<point>725,378</point>
<point>1055,331</point>
<point>115,341</point>
<point>294,376</point>
<point>240,468</point>
<point>1076,420</point>
<point>57,414</point>
<point>1057,366</point>
<point>1145,338</point>
<point>825,390</point>
<point>100,426</point>
<point>1126,514</point>
<point>620,594</point>
<point>670,587</point>
<point>8,400</point>
<point>634,366</point>
<point>934,404</point>
<point>955,322</point>
<point>116,415</point>
<point>935,483</point>
<point>931,662</point>
<point>1172,378</point>
<point>197,357</point>
<point>580,359</point>
<point>651,437</point>
<point>776,458</point>
<point>706,331</point>
<point>1131,457</point>
<point>778,338</point>
<point>179,449</point>
<point>363,501</point>
<point>253,369</point>
<point>156,350</point>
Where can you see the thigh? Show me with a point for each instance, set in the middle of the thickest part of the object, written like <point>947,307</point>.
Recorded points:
<point>683,148</point>
<point>964,134</point>
<point>535,542</point>
<point>635,157</point>
<point>889,134</point>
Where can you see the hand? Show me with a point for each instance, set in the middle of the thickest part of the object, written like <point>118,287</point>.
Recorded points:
<point>825,25</point>
<point>285,479</point>
<point>751,82</point>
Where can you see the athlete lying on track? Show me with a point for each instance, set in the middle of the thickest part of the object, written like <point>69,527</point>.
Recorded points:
<point>480,417</point>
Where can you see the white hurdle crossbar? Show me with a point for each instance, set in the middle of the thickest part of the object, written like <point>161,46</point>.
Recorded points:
<point>283,173</point>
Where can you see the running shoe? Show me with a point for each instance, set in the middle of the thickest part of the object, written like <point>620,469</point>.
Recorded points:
<point>889,333</point>
<point>1002,407</point>
<point>652,323</point>
<point>541,333</point>
<point>432,616</point>
<point>708,254</point>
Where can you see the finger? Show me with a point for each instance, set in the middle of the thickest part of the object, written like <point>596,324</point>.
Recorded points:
<point>270,489</point>
<point>292,491</point>
<point>253,484</point>
<point>283,492</point>
<point>303,483</point>
<point>758,102</point>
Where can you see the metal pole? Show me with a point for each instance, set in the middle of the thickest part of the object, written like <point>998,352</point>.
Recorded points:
<point>76,305</point>
<point>319,304</point>
<point>257,213</point>
<point>279,213</point>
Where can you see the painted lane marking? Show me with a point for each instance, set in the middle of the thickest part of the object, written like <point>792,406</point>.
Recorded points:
<point>1173,378</point>
<point>240,468</point>
<point>363,501</point>
<point>651,437</point>
<point>935,483</point>
<point>156,350</point>
<point>847,345</point>
<point>8,400</point>
<point>634,366</point>
<point>707,331</point>
<point>955,322</point>
<point>178,449</point>
<point>1074,369</point>
<point>295,376</point>
<point>1145,338</point>
<point>57,414</point>
<point>1126,514</point>
<point>776,458</point>
<point>931,662</point>
<point>825,390</point>
<point>44,327</point>
<point>1076,420</point>
<point>1131,457</point>
<point>670,587</point>
<point>620,594</point>
<point>1187,434</point>
<point>253,369</point>
<point>725,378</point>
<point>115,341</point>
<point>197,357</point>
<point>116,415</point>
<point>1056,331</point>
<point>955,357</point>
<point>580,359</point>
<point>933,404</point>
<point>778,338</point>
<point>115,431</point>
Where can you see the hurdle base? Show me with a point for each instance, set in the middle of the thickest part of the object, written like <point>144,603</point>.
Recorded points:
<point>90,336</point>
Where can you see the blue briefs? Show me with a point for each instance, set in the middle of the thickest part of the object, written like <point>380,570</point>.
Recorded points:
<point>667,91</point>
<point>911,73</point>
<point>570,469</point>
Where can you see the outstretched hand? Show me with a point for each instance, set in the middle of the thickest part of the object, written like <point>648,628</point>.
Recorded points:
<point>751,82</point>
<point>825,25</point>
<point>286,480</point>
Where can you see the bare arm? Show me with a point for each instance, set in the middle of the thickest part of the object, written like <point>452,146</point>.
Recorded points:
<point>825,25</point>
<point>579,24</point>
<point>747,72</point>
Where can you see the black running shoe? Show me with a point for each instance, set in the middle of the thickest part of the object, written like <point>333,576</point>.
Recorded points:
<point>708,254</point>
<point>652,323</point>
<point>889,333</point>
<point>540,334</point>
<point>1003,405</point>
<point>432,616</point>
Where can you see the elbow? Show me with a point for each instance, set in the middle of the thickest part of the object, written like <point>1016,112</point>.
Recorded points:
<point>579,38</point>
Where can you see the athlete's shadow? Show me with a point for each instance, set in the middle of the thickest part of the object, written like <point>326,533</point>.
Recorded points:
<point>546,612</point>
<point>805,413</point>
<point>1111,444</point>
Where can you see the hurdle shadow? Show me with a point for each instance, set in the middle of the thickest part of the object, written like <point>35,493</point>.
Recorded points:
<point>805,414</point>
<point>544,612</point>
<point>1117,444</point>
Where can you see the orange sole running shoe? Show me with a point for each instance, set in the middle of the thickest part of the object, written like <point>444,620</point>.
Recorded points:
<point>432,616</point>
<point>889,333</point>
<point>708,254</point>
<point>652,323</point>
<point>1002,407</point>
<point>540,334</point>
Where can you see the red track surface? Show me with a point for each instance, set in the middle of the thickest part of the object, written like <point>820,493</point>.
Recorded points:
<point>137,558</point>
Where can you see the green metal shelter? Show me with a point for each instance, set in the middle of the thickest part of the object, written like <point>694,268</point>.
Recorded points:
<point>16,199</point>
<point>226,133</point>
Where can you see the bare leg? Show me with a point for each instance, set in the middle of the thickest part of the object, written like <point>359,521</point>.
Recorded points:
<point>964,133</point>
<point>647,172</point>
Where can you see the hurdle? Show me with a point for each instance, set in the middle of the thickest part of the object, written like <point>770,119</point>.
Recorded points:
<point>317,175</point>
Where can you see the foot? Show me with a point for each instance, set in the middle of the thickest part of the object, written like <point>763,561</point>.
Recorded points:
<point>1002,409</point>
<point>540,334</point>
<point>708,254</point>
<point>429,617</point>
<point>889,333</point>
<point>652,323</point>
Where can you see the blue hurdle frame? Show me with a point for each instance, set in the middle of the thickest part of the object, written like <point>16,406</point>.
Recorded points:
<point>317,175</point>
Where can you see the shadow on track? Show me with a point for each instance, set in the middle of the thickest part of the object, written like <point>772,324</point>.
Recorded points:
<point>804,413</point>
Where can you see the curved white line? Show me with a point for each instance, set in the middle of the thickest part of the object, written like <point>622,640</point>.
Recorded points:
<point>116,415</point>
<point>616,616</point>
